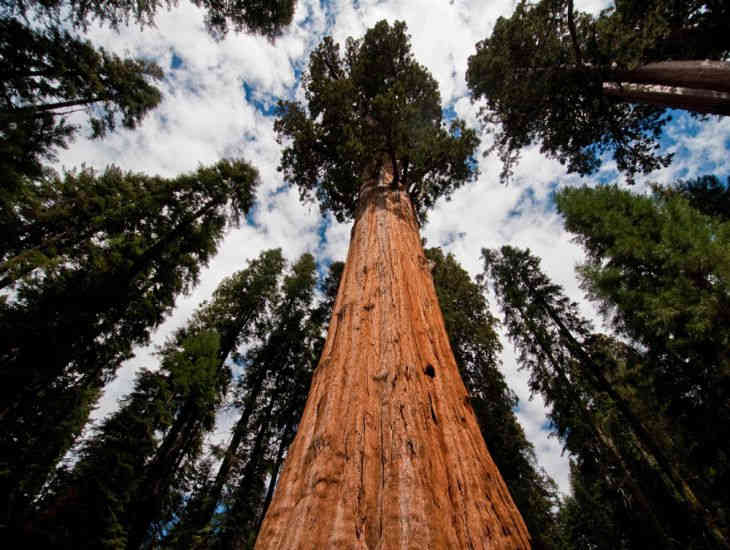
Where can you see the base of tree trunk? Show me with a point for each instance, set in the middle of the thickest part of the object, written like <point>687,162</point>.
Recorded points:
<point>389,454</point>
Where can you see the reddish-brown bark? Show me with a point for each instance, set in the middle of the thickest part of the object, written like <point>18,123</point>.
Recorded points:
<point>702,86</point>
<point>388,454</point>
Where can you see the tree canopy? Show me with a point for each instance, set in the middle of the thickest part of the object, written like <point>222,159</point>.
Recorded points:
<point>46,74</point>
<point>369,106</point>
<point>90,294</point>
<point>542,74</point>
<point>267,18</point>
<point>658,268</point>
<point>623,440</point>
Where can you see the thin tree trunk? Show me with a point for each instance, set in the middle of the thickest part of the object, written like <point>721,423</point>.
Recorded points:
<point>212,496</point>
<point>242,515</point>
<point>158,477</point>
<point>32,111</point>
<point>649,445</point>
<point>283,445</point>
<point>388,453</point>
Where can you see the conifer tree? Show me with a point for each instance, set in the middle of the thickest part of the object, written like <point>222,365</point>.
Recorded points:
<point>287,358</point>
<point>265,18</point>
<point>706,194</point>
<point>94,505</point>
<point>658,268</point>
<point>580,375</point>
<point>47,74</point>
<point>581,85</point>
<point>388,452</point>
<point>72,324</point>
<point>134,476</point>
<point>272,367</point>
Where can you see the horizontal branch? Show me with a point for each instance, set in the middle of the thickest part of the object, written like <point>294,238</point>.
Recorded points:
<point>705,74</point>
<point>672,97</point>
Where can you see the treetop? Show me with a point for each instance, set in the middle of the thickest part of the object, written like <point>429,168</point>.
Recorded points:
<point>369,107</point>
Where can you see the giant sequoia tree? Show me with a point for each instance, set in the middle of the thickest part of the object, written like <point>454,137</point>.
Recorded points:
<point>580,85</point>
<point>388,452</point>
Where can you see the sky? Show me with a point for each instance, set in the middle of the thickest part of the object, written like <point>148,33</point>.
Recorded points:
<point>218,100</point>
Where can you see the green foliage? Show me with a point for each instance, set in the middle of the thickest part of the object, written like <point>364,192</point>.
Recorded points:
<point>541,73</point>
<point>140,462</point>
<point>263,17</point>
<point>46,74</point>
<point>580,414</point>
<point>660,271</point>
<point>372,106</point>
<point>271,396</point>
<point>704,193</point>
<point>76,316</point>
<point>92,505</point>
<point>227,509</point>
<point>475,344</point>
<point>591,518</point>
<point>605,407</point>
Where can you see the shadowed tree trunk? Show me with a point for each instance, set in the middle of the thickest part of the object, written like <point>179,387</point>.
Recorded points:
<point>388,453</point>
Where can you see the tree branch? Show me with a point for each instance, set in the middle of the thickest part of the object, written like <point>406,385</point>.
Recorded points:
<point>574,34</point>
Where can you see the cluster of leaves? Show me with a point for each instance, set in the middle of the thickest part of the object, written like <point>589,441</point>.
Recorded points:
<point>660,271</point>
<point>372,107</point>
<point>645,418</point>
<point>542,72</point>
<point>47,74</point>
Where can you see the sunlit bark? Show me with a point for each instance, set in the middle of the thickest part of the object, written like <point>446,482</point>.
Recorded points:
<point>388,454</point>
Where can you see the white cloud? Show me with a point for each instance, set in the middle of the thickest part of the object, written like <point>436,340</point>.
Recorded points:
<point>204,116</point>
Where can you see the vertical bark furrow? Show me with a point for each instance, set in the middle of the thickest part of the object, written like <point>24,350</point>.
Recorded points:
<point>388,453</point>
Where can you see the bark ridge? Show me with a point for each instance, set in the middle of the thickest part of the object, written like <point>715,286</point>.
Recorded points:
<point>388,454</point>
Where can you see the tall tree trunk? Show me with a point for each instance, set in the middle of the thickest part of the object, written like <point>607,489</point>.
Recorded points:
<point>707,102</point>
<point>283,446</point>
<point>242,515</point>
<point>158,477</point>
<point>702,86</point>
<point>388,453</point>
<point>699,74</point>
<point>204,508</point>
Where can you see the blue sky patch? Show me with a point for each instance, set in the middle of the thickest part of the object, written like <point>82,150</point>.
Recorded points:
<point>176,62</point>
<point>265,106</point>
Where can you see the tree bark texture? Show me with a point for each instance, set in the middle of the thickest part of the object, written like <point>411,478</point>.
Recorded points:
<point>699,74</point>
<point>707,102</point>
<point>702,86</point>
<point>388,454</point>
